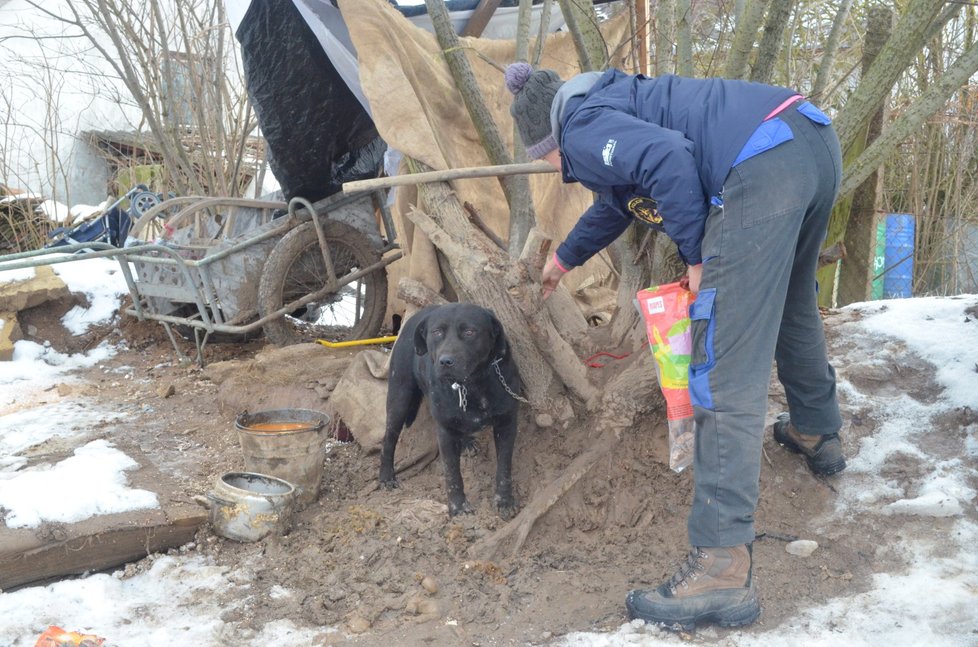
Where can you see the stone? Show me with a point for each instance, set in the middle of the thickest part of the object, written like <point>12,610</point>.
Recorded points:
<point>9,333</point>
<point>429,584</point>
<point>802,547</point>
<point>358,624</point>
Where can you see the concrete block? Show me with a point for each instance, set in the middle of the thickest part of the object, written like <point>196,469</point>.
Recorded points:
<point>43,287</point>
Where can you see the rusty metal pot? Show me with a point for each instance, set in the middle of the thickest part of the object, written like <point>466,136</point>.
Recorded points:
<point>247,506</point>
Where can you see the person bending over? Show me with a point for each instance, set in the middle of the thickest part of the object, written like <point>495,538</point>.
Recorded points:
<point>742,177</point>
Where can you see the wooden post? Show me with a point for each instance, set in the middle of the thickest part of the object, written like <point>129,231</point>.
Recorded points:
<point>480,18</point>
<point>448,174</point>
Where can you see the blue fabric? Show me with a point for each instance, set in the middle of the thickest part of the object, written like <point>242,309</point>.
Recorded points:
<point>774,131</point>
<point>669,139</point>
<point>699,373</point>
<point>814,114</point>
<point>111,227</point>
<point>768,135</point>
<point>596,229</point>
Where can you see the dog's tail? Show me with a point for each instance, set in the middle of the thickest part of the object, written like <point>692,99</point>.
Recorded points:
<point>412,411</point>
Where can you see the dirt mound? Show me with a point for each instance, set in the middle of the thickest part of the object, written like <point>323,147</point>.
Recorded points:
<point>391,565</point>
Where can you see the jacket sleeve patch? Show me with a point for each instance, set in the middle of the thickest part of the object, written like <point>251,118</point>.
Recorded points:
<point>645,209</point>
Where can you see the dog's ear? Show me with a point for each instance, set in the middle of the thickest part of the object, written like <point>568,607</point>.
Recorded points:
<point>500,347</point>
<point>421,338</point>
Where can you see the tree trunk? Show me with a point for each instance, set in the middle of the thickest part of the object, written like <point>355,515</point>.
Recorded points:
<point>665,17</point>
<point>582,22</point>
<point>928,103</point>
<point>770,46</point>
<point>638,21</point>
<point>745,33</point>
<point>831,47</point>
<point>908,37</point>
<point>545,12</point>
<point>516,187</point>
<point>855,277</point>
<point>684,38</point>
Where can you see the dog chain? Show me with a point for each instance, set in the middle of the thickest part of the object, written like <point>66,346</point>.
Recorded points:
<point>462,393</point>
<point>502,380</point>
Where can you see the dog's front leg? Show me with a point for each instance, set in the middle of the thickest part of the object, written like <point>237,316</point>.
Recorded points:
<point>504,437</point>
<point>450,450</point>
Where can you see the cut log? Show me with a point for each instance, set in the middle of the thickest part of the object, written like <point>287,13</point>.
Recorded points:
<point>94,544</point>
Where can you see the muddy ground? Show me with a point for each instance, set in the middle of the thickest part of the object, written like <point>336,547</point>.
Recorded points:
<point>392,567</point>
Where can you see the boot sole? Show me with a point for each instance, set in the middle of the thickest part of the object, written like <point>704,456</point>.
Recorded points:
<point>737,616</point>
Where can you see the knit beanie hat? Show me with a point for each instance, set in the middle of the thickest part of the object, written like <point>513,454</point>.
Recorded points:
<point>534,93</point>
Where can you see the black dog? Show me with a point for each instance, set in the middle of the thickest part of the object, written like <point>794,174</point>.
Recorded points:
<point>457,356</point>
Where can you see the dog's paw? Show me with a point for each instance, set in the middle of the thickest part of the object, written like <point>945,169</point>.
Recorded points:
<point>455,509</point>
<point>390,483</point>
<point>506,508</point>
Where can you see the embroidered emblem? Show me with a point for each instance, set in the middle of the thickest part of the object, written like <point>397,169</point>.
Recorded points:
<point>645,209</point>
<point>608,153</point>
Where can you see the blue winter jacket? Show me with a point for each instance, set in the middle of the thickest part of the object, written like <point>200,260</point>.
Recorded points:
<point>655,149</point>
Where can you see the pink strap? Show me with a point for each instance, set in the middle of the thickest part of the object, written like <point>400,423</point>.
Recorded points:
<point>559,266</point>
<point>787,102</point>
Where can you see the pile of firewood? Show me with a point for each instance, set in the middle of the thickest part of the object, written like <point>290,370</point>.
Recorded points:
<point>22,226</point>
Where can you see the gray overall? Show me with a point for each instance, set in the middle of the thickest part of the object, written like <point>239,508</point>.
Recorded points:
<point>757,303</point>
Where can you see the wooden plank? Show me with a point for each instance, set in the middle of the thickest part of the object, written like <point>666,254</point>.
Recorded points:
<point>497,170</point>
<point>96,544</point>
<point>480,18</point>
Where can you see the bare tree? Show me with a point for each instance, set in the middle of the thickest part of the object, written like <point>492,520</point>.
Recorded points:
<point>860,230</point>
<point>745,33</point>
<point>829,51</point>
<point>908,37</point>
<point>175,62</point>
<point>770,45</point>
<point>665,18</point>
<point>684,38</point>
<point>516,187</point>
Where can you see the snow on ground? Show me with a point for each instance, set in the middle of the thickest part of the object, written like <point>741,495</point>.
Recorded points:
<point>36,367</point>
<point>932,602</point>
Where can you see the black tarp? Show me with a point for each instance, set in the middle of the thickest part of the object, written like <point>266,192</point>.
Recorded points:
<point>318,135</point>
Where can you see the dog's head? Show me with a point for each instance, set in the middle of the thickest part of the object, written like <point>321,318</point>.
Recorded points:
<point>461,338</point>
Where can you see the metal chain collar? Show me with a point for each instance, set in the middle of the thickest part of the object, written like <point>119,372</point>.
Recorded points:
<point>463,393</point>
<point>502,381</point>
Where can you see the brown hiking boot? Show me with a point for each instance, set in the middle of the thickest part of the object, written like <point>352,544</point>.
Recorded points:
<point>822,453</point>
<point>712,585</point>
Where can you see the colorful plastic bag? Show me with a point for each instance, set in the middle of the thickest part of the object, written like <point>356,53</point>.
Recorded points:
<point>665,309</point>
<point>58,637</point>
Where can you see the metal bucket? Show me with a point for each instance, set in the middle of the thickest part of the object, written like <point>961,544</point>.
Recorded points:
<point>247,507</point>
<point>287,443</point>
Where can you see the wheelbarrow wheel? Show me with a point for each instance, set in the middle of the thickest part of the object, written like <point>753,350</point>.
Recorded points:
<point>295,268</point>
